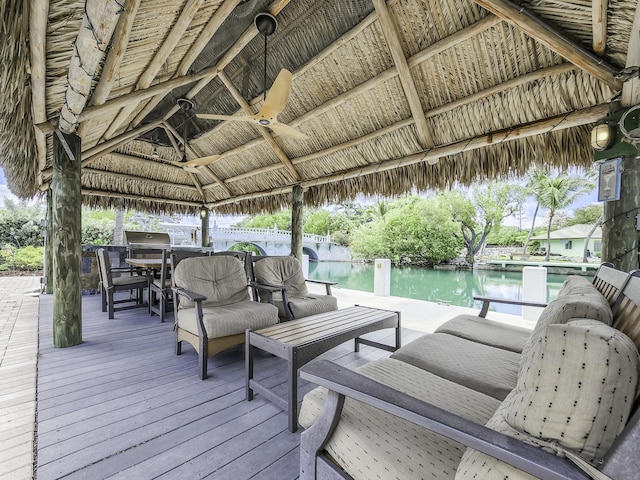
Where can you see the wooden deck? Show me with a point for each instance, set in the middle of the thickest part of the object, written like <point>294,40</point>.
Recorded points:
<point>123,405</point>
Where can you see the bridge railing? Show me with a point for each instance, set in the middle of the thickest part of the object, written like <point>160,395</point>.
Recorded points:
<point>260,233</point>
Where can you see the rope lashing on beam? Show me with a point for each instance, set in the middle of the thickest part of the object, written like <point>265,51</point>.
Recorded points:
<point>89,49</point>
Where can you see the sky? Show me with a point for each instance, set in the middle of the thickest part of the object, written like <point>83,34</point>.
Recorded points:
<point>4,190</point>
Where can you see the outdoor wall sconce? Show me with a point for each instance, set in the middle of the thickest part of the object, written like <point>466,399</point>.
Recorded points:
<point>204,211</point>
<point>602,136</point>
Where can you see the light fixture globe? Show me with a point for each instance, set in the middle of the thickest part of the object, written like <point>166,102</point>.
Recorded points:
<point>204,212</point>
<point>602,136</point>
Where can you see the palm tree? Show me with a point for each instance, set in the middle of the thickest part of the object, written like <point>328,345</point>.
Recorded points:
<point>536,179</point>
<point>559,192</point>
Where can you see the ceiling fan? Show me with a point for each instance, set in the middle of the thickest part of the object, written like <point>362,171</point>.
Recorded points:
<point>195,164</point>
<point>275,100</point>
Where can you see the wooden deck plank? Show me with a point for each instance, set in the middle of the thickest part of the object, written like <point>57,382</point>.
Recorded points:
<point>123,405</point>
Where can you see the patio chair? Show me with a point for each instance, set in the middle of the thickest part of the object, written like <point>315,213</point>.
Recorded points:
<point>125,278</point>
<point>292,297</point>
<point>160,287</point>
<point>212,306</point>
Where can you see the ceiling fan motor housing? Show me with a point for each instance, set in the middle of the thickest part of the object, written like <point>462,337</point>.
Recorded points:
<point>265,23</point>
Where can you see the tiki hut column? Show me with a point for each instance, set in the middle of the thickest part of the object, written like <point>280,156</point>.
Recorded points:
<point>204,216</point>
<point>620,227</point>
<point>67,240</point>
<point>48,244</point>
<point>296,222</point>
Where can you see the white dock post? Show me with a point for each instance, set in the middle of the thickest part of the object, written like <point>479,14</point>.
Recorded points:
<point>305,266</point>
<point>382,277</point>
<point>534,289</point>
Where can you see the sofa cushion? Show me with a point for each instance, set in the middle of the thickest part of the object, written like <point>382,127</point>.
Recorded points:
<point>486,369</point>
<point>488,332</point>
<point>576,284</point>
<point>565,308</point>
<point>575,392</point>
<point>221,279</point>
<point>224,320</point>
<point>370,444</point>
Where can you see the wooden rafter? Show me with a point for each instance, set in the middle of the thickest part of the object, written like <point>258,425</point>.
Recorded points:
<point>406,79</point>
<point>114,58</point>
<point>98,24</point>
<point>141,198</point>
<point>599,25</point>
<point>250,33</point>
<point>382,77</point>
<point>148,76</point>
<point>531,77</point>
<point>553,39</point>
<point>560,122</point>
<point>196,49</point>
<point>38,41</point>
<point>263,131</point>
<point>631,88</point>
<point>195,154</point>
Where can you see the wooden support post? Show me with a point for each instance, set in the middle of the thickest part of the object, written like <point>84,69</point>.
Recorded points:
<point>619,228</point>
<point>67,241</point>
<point>296,221</point>
<point>48,246</point>
<point>204,216</point>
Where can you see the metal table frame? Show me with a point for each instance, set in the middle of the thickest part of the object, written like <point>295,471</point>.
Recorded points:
<point>300,341</point>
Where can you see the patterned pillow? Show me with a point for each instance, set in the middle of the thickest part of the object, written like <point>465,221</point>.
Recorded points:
<point>562,309</point>
<point>575,392</point>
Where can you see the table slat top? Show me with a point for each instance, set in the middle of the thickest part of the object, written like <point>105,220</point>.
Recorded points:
<point>317,327</point>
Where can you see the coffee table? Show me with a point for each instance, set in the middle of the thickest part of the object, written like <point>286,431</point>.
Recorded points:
<point>300,341</point>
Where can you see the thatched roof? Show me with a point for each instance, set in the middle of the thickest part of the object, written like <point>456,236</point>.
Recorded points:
<point>393,96</point>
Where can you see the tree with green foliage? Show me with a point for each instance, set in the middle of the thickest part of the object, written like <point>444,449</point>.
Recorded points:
<point>558,192</point>
<point>412,230</point>
<point>476,216</point>
<point>20,224</point>
<point>588,215</point>
<point>281,219</point>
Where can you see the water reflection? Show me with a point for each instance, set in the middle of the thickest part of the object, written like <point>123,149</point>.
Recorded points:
<point>456,287</point>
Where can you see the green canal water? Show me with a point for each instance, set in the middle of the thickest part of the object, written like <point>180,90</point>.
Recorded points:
<point>456,287</point>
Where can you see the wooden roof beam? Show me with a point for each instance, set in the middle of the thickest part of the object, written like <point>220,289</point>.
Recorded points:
<point>89,49</point>
<point>249,34</point>
<point>631,88</point>
<point>263,131</point>
<point>194,154</point>
<point>116,53</point>
<point>530,77</point>
<point>552,38</point>
<point>414,60</point>
<point>431,156</point>
<point>140,198</point>
<point>37,43</point>
<point>148,76</point>
<point>599,25</point>
<point>196,49</point>
<point>406,79</point>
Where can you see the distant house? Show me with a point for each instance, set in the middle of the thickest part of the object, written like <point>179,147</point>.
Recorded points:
<point>569,241</point>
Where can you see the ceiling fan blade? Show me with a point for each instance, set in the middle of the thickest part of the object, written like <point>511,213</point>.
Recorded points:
<point>212,116</point>
<point>277,97</point>
<point>189,169</point>
<point>287,131</point>
<point>200,162</point>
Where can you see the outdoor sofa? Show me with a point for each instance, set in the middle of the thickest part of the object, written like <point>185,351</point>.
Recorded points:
<point>529,398</point>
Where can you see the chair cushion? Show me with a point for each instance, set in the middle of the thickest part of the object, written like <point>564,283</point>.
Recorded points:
<point>492,371</point>
<point>158,283</point>
<point>575,392</point>
<point>312,304</point>
<point>576,284</point>
<point>221,279</point>
<point>370,444</point>
<point>281,272</point>
<point>488,332</point>
<point>231,319</point>
<point>135,281</point>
